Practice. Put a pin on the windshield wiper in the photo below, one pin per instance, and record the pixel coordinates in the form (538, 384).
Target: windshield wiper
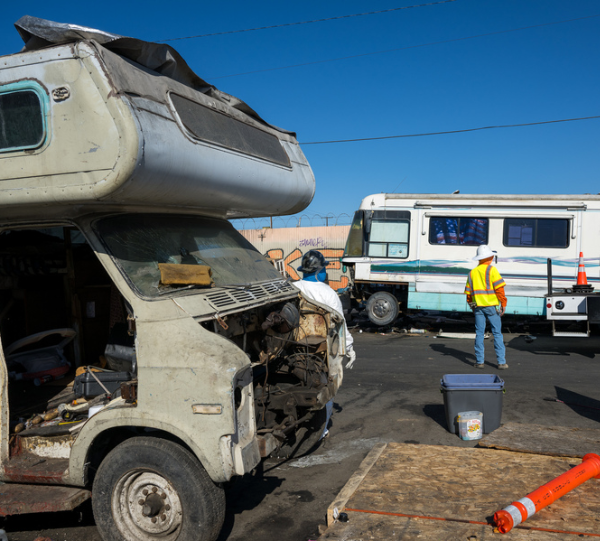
(174, 288)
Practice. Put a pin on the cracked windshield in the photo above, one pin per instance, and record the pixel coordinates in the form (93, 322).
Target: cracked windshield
(141, 242)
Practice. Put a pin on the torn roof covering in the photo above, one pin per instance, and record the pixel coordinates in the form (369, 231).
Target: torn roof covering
(158, 57)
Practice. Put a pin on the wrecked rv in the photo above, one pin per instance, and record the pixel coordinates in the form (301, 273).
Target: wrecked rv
(150, 353)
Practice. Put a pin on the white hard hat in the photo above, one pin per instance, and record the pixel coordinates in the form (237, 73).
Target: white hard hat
(483, 252)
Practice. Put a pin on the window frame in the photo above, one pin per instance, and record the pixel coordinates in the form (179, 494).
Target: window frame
(395, 216)
(536, 219)
(430, 231)
(44, 99)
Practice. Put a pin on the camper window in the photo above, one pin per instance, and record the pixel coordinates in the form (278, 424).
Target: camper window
(215, 127)
(21, 117)
(536, 232)
(463, 231)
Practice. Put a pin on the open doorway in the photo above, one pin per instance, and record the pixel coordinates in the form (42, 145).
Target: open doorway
(59, 312)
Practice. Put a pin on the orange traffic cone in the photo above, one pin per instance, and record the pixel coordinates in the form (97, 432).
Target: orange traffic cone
(509, 517)
(581, 276)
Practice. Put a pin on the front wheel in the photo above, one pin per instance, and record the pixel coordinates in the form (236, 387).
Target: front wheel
(149, 489)
(382, 308)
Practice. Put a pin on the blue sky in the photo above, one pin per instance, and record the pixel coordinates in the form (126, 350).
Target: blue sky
(548, 72)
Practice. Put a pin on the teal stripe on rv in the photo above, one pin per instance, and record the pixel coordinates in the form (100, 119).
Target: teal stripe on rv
(447, 302)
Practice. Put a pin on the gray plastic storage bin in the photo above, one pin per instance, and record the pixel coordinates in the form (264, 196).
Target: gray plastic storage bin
(473, 392)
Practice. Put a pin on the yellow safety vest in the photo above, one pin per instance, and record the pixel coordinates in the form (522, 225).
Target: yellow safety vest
(482, 283)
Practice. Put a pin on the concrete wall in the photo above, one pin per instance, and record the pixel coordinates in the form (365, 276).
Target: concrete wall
(291, 243)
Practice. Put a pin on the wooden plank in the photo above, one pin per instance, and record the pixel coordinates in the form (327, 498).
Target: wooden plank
(353, 483)
(24, 499)
(543, 440)
(463, 484)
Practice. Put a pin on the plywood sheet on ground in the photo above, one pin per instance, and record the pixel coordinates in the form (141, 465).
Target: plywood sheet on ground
(463, 484)
(542, 440)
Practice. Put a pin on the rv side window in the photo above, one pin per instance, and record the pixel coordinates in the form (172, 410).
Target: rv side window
(461, 231)
(21, 117)
(388, 234)
(536, 232)
(217, 128)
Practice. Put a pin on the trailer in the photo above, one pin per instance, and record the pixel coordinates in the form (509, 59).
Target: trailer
(414, 251)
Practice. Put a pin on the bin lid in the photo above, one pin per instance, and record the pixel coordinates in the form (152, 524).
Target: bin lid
(466, 414)
(472, 382)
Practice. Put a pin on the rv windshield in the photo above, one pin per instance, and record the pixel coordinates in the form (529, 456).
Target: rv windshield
(140, 242)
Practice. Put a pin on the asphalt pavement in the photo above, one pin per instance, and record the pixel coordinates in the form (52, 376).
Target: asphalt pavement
(391, 394)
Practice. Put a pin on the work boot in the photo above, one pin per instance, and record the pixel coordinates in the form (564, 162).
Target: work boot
(479, 365)
(502, 366)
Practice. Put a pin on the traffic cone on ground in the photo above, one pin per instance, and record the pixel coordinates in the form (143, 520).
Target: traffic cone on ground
(509, 517)
(581, 276)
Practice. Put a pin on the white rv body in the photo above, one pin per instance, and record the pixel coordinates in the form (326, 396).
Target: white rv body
(428, 272)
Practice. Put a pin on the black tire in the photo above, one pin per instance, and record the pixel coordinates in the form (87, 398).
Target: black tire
(307, 438)
(146, 479)
(382, 308)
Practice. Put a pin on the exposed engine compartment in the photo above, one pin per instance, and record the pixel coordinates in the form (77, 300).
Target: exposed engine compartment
(287, 344)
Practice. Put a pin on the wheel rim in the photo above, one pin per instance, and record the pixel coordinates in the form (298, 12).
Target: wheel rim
(145, 506)
(381, 308)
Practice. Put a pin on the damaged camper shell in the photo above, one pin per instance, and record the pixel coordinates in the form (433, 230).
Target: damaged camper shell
(118, 170)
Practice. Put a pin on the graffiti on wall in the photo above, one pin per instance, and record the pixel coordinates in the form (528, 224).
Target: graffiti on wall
(293, 259)
(318, 242)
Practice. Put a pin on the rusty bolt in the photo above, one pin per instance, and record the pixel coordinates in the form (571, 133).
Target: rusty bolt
(167, 507)
(163, 517)
(145, 492)
(141, 502)
(154, 489)
(163, 496)
(154, 520)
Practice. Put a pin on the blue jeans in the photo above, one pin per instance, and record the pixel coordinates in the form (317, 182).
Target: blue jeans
(489, 313)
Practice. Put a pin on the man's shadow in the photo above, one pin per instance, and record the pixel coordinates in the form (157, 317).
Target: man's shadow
(467, 358)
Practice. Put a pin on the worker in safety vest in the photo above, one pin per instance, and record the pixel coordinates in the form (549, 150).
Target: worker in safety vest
(485, 296)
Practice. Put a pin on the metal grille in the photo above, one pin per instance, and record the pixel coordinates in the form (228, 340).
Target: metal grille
(229, 298)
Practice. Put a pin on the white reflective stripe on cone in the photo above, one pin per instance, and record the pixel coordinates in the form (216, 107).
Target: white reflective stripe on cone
(529, 505)
(515, 514)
